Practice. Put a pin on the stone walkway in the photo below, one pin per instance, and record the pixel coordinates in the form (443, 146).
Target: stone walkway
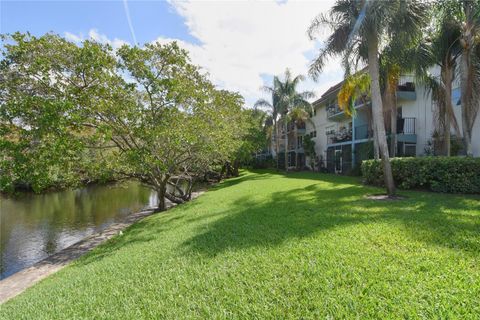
(18, 282)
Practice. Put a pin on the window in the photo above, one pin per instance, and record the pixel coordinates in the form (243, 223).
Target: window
(299, 141)
(314, 133)
(314, 111)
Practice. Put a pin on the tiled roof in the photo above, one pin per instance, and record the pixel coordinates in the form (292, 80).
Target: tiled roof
(333, 89)
(329, 92)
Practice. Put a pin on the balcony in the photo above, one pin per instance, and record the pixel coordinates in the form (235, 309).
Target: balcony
(406, 90)
(335, 113)
(406, 126)
(338, 136)
(301, 129)
(405, 132)
(363, 132)
(333, 110)
(298, 127)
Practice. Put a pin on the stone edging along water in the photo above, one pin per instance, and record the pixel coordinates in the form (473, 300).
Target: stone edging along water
(18, 282)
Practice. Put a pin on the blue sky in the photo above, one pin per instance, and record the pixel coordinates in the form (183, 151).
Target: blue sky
(151, 19)
(241, 44)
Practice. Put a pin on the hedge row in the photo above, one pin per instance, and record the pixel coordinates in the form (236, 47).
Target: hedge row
(440, 174)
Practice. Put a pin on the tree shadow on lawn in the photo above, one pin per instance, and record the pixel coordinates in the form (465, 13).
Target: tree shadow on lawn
(440, 220)
(149, 228)
(329, 202)
(250, 175)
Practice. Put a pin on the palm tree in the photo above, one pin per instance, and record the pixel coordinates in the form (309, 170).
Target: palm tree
(469, 67)
(268, 130)
(274, 110)
(356, 87)
(358, 30)
(440, 48)
(289, 99)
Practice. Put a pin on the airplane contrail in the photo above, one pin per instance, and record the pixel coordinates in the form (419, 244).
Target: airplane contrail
(127, 13)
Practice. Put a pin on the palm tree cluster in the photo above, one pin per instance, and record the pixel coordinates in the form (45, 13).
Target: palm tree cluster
(287, 105)
(400, 36)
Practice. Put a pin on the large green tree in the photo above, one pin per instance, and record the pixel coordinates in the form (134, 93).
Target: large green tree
(148, 112)
(362, 27)
(44, 81)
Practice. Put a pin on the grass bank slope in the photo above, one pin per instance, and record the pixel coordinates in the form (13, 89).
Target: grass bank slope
(268, 245)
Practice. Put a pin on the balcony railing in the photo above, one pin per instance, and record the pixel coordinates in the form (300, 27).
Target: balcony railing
(406, 89)
(406, 86)
(336, 136)
(363, 132)
(406, 126)
(333, 109)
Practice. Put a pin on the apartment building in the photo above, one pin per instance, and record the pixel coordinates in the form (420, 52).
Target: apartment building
(295, 152)
(341, 141)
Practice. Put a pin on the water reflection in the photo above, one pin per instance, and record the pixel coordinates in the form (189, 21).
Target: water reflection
(33, 227)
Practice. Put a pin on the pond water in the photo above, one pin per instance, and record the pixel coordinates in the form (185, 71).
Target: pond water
(33, 227)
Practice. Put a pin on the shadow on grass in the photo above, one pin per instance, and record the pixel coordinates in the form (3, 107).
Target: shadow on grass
(326, 203)
(444, 220)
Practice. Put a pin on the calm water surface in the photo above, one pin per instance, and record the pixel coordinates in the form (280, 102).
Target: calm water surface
(32, 227)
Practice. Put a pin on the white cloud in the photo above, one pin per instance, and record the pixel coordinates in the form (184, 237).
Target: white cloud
(241, 41)
(93, 34)
(73, 37)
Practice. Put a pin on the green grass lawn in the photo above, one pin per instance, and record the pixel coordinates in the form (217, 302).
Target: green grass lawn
(266, 245)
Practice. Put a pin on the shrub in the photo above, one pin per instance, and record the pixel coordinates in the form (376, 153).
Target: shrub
(439, 174)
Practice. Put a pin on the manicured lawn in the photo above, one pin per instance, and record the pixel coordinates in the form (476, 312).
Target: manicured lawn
(265, 245)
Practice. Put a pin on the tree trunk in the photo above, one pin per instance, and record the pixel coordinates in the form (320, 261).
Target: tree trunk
(161, 192)
(295, 142)
(466, 100)
(277, 147)
(377, 110)
(286, 143)
(447, 81)
(374, 136)
(390, 105)
(222, 172)
(466, 82)
(236, 167)
(376, 152)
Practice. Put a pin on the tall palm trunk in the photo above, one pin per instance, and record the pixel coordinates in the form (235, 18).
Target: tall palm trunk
(393, 119)
(466, 98)
(377, 110)
(390, 104)
(447, 79)
(277, 147)
(466, 81)
(295, 142)
(375, 140)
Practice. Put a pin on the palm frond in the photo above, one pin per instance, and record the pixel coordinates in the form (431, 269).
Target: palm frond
(262, 103)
